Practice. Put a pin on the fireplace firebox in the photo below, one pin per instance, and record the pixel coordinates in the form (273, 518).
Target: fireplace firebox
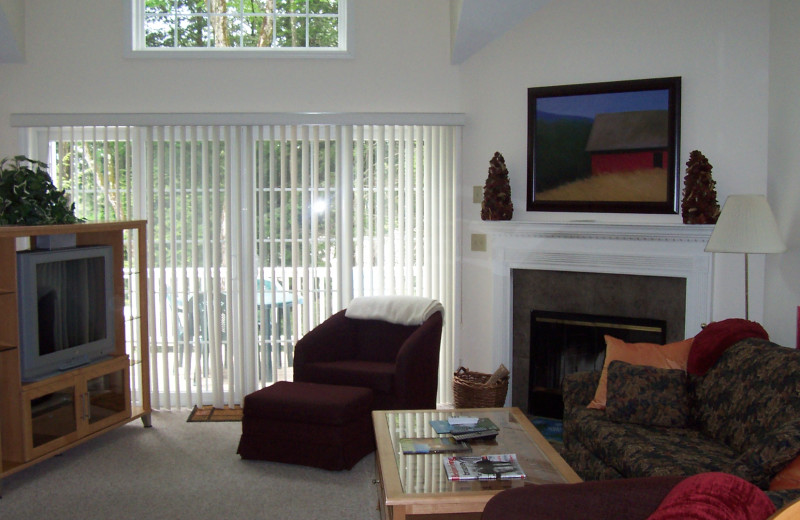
(562, 343)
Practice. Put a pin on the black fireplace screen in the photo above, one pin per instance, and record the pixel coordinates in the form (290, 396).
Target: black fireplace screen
(563, 343)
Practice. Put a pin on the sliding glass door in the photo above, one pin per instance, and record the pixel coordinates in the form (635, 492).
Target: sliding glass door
(257, 233)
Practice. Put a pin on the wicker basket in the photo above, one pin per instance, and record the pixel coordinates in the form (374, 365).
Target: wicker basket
(470, 390)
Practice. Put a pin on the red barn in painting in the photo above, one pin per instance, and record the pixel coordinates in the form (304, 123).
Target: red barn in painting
(629, 141)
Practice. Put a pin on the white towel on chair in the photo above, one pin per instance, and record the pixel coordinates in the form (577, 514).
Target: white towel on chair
(404, 310)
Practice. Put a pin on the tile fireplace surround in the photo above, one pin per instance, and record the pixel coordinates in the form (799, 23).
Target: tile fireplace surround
(662, 250)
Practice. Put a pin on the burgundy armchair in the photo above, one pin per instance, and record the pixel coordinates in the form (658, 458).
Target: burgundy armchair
(400, 363)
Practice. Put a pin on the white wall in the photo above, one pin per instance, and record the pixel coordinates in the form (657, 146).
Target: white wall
(783, 271)
(719, 47)
(74, 63)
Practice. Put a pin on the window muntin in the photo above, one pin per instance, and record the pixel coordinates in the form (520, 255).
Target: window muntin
(275, 26)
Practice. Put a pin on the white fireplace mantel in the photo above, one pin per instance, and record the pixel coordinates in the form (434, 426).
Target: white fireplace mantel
(671, 250)
(587, 229)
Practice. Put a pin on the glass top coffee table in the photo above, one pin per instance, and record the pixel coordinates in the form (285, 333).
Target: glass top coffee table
(417, 484)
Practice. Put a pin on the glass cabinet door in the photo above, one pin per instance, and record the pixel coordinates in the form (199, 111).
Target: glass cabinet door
(106, 396)
(53, 416)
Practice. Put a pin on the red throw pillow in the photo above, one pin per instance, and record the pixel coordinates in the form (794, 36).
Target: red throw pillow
(716, 337)
(714, 496)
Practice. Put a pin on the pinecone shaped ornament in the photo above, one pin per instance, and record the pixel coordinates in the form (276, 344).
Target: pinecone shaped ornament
(497, 203)
(699, 204)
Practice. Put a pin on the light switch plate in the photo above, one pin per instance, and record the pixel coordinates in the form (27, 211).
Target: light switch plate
(477, 194)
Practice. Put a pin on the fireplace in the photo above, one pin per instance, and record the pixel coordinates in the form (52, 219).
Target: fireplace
(587, 267)
(623, 298)
(562, 343)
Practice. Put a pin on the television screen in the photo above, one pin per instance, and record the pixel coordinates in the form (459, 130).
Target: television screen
(66, 308)
(71, 303)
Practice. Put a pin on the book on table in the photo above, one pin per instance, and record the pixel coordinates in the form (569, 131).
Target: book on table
(432, 445)
(462, 420)
(482, 424)
(491, 467)
(484, 435)
(483, 429)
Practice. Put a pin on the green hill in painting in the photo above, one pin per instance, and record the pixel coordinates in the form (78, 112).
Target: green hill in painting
(561, 143)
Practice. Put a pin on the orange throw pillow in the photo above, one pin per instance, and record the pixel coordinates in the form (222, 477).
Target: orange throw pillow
(787, 478)
(672, 355)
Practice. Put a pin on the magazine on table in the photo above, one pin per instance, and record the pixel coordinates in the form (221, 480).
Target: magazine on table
(464, 467)
(432, 445)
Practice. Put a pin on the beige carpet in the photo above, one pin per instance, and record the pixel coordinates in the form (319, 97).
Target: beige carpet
(178, 470)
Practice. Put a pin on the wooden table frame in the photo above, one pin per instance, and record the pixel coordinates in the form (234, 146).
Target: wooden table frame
(397, 505)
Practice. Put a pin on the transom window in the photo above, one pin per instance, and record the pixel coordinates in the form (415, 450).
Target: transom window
(227, 25)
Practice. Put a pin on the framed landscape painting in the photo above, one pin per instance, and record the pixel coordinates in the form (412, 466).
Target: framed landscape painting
(604, 147)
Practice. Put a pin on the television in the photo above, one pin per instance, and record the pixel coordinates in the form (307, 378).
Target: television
(66, 309)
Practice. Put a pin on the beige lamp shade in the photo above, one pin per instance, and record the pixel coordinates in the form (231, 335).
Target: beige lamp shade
(746, 225)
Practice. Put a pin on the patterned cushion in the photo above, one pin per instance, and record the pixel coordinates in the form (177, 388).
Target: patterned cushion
(647, 395)
(578, 389)
(783, 497)
(586, 464)
(638, 451)
(753, 389)
(769, 454)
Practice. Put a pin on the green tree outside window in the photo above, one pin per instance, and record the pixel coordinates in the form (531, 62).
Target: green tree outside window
(242, 23)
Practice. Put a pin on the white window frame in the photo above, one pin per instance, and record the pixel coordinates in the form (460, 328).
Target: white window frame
(135, 48)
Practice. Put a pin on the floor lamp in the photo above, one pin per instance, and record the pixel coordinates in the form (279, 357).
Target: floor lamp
(746, 225)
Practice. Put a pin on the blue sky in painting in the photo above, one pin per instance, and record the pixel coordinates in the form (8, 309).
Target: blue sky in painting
(592, 104)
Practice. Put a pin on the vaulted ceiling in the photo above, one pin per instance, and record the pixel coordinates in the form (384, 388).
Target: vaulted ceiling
(12, 31)
(475, 23)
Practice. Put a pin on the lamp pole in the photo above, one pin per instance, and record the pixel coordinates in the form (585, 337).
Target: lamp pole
(746, 288)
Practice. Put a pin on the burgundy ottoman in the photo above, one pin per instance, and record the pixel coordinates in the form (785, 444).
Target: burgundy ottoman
(325, 426)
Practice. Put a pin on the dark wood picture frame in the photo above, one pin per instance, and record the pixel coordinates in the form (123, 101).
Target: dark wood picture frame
(605, 147)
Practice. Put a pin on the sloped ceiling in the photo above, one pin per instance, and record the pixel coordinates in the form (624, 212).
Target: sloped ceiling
(12, 31)
(476, 23)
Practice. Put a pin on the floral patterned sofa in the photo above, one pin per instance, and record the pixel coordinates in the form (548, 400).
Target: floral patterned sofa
(742, 417)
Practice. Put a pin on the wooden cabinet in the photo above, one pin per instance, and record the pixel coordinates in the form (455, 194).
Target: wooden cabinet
(42, 418)
(59, 410)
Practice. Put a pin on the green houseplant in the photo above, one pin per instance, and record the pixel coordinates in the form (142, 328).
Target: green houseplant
(29, 197)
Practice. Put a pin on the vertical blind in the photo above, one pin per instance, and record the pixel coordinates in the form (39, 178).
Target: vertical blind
(258, 233)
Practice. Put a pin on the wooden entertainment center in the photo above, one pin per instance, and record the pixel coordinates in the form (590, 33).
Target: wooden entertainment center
(42, 418)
